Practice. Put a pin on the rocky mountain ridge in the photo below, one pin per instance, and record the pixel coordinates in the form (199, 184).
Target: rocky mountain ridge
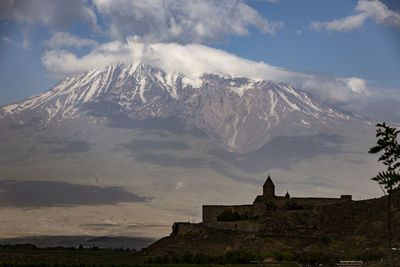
(238, 113)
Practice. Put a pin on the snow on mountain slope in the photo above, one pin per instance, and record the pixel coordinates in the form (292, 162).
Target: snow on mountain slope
(136, 128)
(237, 112)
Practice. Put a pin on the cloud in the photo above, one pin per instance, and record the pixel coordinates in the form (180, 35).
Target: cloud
(269, 1)
(181, 21)
(9, 41)
(373, 9)
(346, 24)
(51, 13)
(379, 12)
(55, 13)
(382, 105)
(193, 60)
(357, 85)
(26, 43)
(65, 39)
(61, 62)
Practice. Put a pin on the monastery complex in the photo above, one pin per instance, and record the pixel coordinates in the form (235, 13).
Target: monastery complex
(246, 217)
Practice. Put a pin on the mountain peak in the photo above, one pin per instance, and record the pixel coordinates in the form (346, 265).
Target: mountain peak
(224, 107)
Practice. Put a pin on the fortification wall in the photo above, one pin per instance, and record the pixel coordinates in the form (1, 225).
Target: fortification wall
(238, 226)
(211, 212)
(259, 208)
(310, 201)
(247, 226)
(187, 227)
(317, 201)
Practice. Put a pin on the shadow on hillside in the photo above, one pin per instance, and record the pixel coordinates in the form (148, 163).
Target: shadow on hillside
(282, 152)
(25, 194)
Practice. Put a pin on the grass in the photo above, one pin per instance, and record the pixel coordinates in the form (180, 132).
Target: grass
(30, 255)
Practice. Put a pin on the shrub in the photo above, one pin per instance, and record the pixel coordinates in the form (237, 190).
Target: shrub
(325, 239)
(287, 256)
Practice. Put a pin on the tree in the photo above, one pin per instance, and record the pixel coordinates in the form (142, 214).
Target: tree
(390, 148)
(389, 180)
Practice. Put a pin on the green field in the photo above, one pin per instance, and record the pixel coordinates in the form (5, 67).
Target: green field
(30, 255)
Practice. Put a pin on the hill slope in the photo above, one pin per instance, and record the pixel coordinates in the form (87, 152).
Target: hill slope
(349, 229)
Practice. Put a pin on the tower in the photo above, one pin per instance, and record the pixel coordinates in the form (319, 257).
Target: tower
(269, 188)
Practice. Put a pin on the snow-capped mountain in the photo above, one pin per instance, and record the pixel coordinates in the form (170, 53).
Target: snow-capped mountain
(134, 149)
(238, 113)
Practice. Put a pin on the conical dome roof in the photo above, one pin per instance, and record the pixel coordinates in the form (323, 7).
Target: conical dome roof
(269, 182)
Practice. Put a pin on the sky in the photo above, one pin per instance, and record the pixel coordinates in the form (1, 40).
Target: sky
(343, 52)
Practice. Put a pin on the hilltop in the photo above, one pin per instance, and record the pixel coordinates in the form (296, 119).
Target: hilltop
(352, 230)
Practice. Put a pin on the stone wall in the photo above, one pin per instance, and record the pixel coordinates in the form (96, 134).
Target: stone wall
(238, 226)
(211, 212)
(313, 201)
(259, 208)
(246, 226)
(309, 202)
(187, 227)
